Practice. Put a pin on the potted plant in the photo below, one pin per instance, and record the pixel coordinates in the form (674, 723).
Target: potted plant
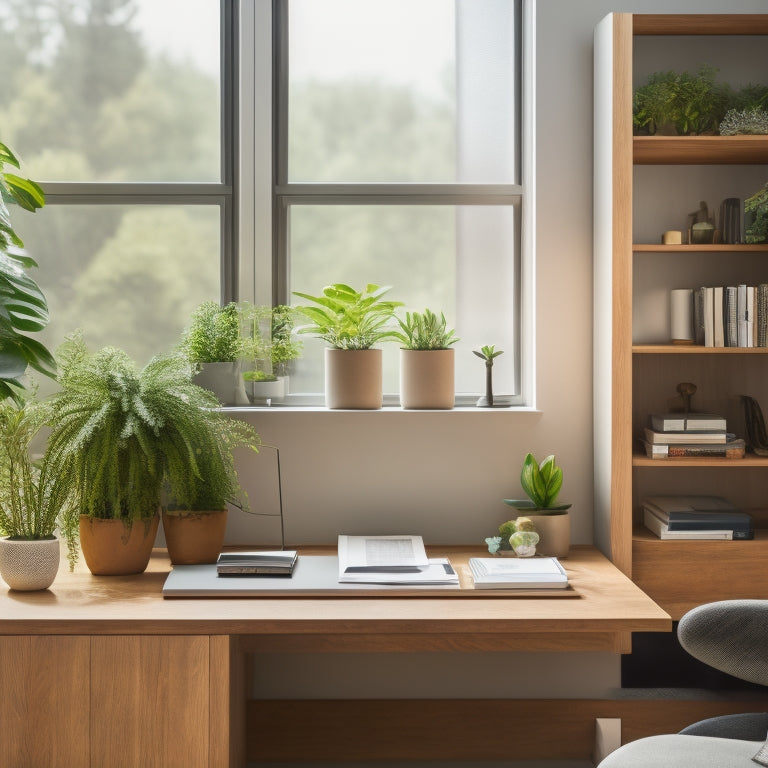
(756, 217)
(201, 478)
(274, 348)
(488, 353)
(117, 432)
(351, 322)
(426, 361)
(213, 343)
(542, 483)
(34, 501)
(23, 308)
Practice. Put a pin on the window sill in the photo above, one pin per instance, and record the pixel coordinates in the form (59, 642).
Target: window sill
(279, 408)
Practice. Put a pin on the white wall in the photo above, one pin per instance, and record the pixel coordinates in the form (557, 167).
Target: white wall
(444, 475)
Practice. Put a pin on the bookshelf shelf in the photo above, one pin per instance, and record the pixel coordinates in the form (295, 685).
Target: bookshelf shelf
(641, 460)
(694, 349)
(700, 150)
(718, 248)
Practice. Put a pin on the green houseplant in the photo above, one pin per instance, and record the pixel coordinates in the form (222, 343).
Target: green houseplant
(756, 217)
(214, 344)
(23, 308)
(542, 482)
(351, 322)
(426, 361)
(118, 432)
(35, 501)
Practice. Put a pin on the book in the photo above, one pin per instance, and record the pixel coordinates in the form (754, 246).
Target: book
(655, 525)
(698, 316)
(681, 438)
(273, 563)
(718, 313)
(730, 316)
(741, 314)
(518, 573)
(732, 449)
(699, 513)
(687, 422)
(762, 315)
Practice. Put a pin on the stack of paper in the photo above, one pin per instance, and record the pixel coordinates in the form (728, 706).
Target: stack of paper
(391, 560)
(518, 573)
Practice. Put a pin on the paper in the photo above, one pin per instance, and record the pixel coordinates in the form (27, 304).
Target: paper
(518, 573)
(381, 553)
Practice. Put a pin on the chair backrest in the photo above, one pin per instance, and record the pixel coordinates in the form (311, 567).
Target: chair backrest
(730, 635)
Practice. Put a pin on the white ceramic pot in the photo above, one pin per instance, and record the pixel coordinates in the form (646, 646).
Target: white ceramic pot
(353, 378)
(262, 391)
(29, 565)
(427, 378)
(225, 380)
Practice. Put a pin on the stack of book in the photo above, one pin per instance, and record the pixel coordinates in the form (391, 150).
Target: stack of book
(695, 517)
(731, 316)
(675, 435)
(270, 563)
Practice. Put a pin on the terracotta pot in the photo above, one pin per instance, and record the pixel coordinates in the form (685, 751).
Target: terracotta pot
(194, 538)
(427, 378)
(554, 533)
(111, 548)
(29, 565)
(353, 378)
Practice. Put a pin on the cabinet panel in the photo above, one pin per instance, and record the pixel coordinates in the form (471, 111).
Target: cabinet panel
(150, 702)
(45, 702)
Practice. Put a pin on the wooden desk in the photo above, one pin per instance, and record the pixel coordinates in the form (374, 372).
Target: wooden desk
(102, 671)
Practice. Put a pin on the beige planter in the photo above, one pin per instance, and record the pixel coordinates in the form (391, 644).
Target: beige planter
(353, 378)
(29, 565)
(111, 548)
(554, 533)
(427, 378)
(194, 538)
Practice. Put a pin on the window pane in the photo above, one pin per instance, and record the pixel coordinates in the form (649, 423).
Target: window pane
(402, 90)
(458, 260)
(129, 276)
(110, 90)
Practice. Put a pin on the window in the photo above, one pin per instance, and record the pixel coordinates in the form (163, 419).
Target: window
(125, 117)
(397, 142)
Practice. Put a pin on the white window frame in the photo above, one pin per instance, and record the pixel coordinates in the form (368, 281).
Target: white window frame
(263, 192)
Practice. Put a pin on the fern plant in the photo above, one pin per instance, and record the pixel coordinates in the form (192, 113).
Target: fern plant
(120, 432)
(425, 331)
(213, 335)
(35, 500)
(350, 319)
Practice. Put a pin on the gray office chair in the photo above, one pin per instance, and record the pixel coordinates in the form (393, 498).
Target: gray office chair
(731, 636)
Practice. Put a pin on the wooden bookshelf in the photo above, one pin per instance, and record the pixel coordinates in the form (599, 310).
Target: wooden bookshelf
(750, 460)
(694, 349)
(686, 248)
(700, 150)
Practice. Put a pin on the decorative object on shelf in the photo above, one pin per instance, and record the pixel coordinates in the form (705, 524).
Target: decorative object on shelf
(34, 502)
(517, 536)
(701, 227)
(681, 103)
(542, 483)
(682, 402)
(730, 220)
(213, 343)
(351, 322)
(426, 361)
(744, 121)
(757, 436)
(681, 315)
(672, 237)
(488, 353)
(756, 217)
(23, 308)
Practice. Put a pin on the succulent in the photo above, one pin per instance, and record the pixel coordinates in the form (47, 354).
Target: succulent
(541, 483)
(744, 121)
(426, 331)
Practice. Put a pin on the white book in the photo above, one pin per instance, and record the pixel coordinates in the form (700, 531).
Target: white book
(518, 573)
(717, 307)
(751, 325)
(741, 314)
(685, 438)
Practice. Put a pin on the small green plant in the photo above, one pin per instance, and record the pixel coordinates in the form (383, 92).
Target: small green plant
(271, 329)
(350, 319)
(488, 353)
(541, 483)
(745, 121)
(23, 308)
(34, 499)
(213, 335)
(683, 103)
(756, 217)
(425, 331)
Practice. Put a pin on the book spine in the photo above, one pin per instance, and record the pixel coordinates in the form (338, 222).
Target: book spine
(731, 322)
(762, 315)
(698, 316)
(709, 317)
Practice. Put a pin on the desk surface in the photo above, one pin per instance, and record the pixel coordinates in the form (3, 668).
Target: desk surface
(80, 603)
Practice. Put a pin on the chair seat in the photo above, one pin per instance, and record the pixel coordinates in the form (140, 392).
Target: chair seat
(684, 751)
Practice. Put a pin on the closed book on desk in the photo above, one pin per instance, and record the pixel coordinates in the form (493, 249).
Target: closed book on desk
(277, 563)
(518, 573)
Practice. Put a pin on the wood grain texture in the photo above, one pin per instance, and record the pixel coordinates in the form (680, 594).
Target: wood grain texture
(451, 729)
(700, 150)
(150, 702)
(44, 705)
(700, 24)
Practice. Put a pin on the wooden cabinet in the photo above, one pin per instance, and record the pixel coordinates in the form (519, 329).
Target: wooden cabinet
(644, 186)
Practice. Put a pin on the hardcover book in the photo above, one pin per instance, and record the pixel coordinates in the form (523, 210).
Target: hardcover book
(273, 563)
(687, 422)
(682, 438)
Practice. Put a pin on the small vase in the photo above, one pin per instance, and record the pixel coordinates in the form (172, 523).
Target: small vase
(27, 565)
(194, 538)
(112, 548)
